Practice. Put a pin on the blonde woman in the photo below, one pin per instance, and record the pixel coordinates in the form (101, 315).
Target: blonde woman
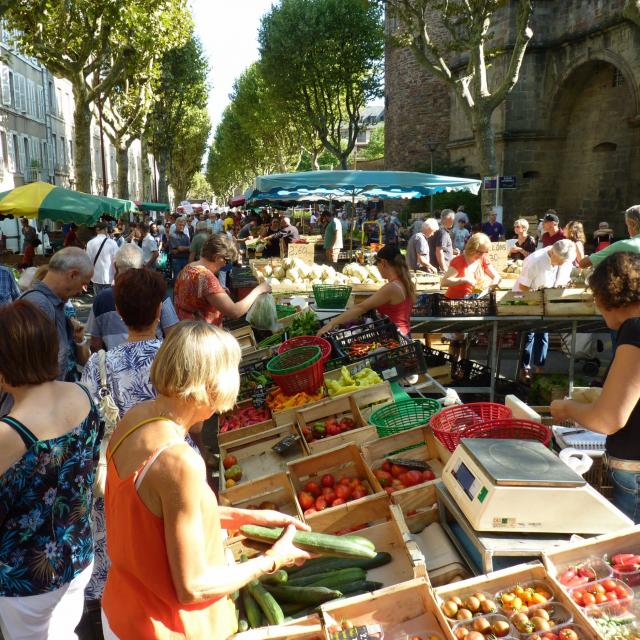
(471, 271)
(575, 231)
(168, 575)
(525, 243)
(393, 300)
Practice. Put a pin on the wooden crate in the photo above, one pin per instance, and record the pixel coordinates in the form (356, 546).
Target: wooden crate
(569, 302)
(403, 610)
(288, 416)
(246, 339)
(625, 541)
(371, 398)
(423, 449)
(308, 628)
(343, 461)
(419, 505)
(339, 406)
(256, 457)
(227, 437)
(505, 303)
(275, 488)
(521, 574)
(382, 524)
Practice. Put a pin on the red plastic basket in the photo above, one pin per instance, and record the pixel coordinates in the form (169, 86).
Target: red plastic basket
(511, 429)
(452, 423)
(308, 379)
(303, 341)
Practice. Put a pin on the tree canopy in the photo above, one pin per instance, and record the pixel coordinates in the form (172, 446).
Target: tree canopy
(332, 67)
(375, 147)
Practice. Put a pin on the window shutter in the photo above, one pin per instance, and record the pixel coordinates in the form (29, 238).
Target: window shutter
(31, 98)
(45, 158)
(6, 86)
(11, 151)
(40, 103)
(19, 84)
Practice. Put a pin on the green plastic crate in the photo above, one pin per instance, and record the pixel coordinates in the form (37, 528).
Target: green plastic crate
(403, 415)
(331, 296)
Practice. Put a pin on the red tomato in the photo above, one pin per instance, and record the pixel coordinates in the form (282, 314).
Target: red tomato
(611, 596)
(313, 488)
(567, 634)
(346, 480)
(337, 502)
(360, 492)
(597, 588)
(321, 503)
(390, 490)
(384, 477)
(428, 475)
(397, 470)
(577, 596)
(310, 511)
(306, 500)
(386, 466)
(329, 494)
(343, 491)
(328, 480)
(587, 598)
(415, 476)
(621, 592)
(609, 584)
(600, 598)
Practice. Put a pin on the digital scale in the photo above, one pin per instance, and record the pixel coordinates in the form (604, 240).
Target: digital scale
(520, 486)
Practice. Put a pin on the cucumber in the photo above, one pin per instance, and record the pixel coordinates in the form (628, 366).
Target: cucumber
(251, 609)
(355, 574)
(243, 625)
(291, 608)
(303, 595)
(321, 565)
(322, 543)
(366, 586)
(301, 613)
(278, 577)
(266, 602)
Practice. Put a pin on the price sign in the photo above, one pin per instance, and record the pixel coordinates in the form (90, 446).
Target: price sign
(498, 255)
(303, 251)
(259, 398)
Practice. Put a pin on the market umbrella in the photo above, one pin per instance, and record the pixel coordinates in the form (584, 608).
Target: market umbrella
(115, 207)
(43, 201)
(153, 206)
(371, 184)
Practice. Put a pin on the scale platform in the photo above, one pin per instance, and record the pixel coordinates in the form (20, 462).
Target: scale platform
(520, 486)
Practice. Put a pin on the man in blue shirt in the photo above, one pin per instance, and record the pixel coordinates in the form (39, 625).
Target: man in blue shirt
(8, 286)
(493, 228)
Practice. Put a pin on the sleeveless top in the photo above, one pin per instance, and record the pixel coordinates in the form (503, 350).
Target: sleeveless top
(400, 312)
(45, 507)
(139, 599)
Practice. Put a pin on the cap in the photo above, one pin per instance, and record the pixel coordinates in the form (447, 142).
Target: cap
(551, 217)
(101, 225)
(603, 225)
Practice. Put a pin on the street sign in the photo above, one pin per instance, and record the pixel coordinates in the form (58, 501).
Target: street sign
(507, 182)
(489, 183)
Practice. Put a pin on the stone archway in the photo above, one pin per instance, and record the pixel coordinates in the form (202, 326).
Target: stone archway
(596, 154)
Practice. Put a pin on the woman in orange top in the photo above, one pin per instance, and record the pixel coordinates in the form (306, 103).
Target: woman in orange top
(198, 294)
(470, 272)
(168, 577)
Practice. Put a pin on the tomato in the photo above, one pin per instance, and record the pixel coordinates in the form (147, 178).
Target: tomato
(346, 480)
(386, 466)
(313, 488)
(567, 634)
(229, 461)
(360, 492)
(328, 480)
(415, 477)
(577, 596)
(397, 470)
(428, 475)
(390, 490)
(310, 511)
(329, 494)
(306, 500)
(587, 598)
(337, 502)
(321, 503)
(343, 491)
(601, 598)
(384, 477)
(621, 592)
(611, 596)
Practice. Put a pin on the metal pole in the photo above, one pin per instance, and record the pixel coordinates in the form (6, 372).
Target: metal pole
(431, 196)
(104, 169)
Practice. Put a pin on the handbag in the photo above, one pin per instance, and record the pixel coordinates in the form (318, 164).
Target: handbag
(110, 416)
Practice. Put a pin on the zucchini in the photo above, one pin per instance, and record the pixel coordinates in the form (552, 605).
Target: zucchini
(266, 602)
(291, 608)
(322, 543)
(243, 625)
(278, 577)
(301, 613)
(338, 576)
(303, 595)
(366, 586)
(321, 565)
(251, 609)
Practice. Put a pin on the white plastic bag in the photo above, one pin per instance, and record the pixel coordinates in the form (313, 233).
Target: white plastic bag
(263, 314)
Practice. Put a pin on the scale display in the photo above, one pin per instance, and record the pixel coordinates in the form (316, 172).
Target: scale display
(521, 486)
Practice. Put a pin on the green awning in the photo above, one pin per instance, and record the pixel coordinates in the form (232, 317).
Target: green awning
(153, 206)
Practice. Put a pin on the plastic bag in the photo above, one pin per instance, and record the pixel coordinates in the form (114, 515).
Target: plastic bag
(263, 314)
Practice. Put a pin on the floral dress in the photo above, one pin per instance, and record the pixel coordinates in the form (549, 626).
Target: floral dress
(45, 506)
(128, 369)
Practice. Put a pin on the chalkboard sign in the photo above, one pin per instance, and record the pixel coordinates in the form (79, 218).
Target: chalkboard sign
(498, 255)
(305, 252)
(259, 398)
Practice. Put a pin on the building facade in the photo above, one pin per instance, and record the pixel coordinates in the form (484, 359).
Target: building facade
(37, 136)
(570, 129)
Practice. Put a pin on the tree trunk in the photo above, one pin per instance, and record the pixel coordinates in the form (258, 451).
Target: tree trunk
(344, 161)
(315, 165)
(179, 189)
(485, 139)
(123, 170)
(163, 185)
(82, 137)
(146, 170)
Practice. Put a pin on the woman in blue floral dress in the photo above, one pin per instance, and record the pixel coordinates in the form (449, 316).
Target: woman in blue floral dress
(138, 295)
(49, 446)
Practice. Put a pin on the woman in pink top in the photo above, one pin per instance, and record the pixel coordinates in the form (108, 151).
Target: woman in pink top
(394, 300)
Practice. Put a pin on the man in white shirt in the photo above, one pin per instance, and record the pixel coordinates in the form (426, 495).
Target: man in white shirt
(101, 251)
(543, 269)
(149, 246)
(418, 247)
(185, 230)
(461, 214)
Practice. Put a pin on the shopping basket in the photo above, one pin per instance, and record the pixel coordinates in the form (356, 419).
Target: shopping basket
(453, 423)
(304, 341)
(297, 370)
(403, 415)
(331, 296)
(510, 429)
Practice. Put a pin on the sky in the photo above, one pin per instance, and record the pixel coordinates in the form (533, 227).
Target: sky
(228, 30)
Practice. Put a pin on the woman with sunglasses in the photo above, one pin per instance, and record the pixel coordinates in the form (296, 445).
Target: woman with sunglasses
(198, 294)
(470, 272)
(394, 300)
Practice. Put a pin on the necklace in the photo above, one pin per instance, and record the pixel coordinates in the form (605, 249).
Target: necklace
(140, 337)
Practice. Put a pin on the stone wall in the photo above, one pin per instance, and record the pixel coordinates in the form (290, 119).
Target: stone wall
(569, 131)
